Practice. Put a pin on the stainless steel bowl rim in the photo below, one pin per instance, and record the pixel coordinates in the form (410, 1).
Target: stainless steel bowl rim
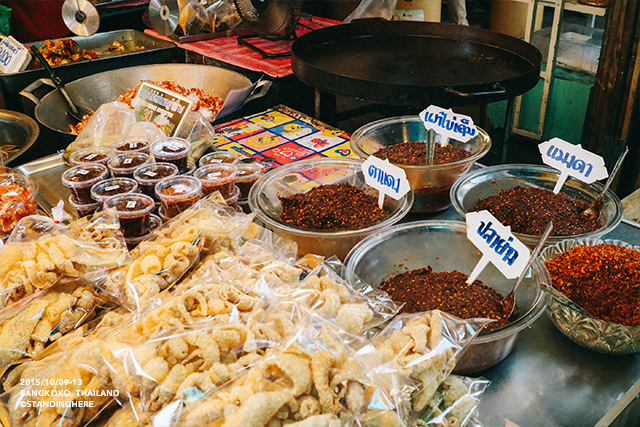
(512, 328)
(538, 168)
(257, 187)
(29, 124)
(405, 119)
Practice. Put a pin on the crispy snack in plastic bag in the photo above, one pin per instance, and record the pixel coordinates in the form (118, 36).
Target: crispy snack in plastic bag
(171, 250)
(40, 253)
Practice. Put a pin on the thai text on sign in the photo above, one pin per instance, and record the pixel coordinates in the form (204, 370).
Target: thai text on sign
(448, 124)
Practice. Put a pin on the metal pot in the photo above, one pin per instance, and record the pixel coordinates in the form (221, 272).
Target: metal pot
(93, 91)
(17, 133)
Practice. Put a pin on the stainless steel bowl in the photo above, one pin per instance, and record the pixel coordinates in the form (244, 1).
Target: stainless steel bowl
(17, 133)
(444, 246)
(302, 176)
(489, 181)
(575, 323)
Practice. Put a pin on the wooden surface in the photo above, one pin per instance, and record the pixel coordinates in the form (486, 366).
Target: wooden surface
(631, 205)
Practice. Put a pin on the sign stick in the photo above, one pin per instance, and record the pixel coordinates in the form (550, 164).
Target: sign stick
(380, 199)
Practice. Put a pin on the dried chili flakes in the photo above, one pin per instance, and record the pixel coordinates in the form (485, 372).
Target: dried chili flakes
(603, 279)
(423, 289)
(528, 210)
(331, 207)
(415, 153)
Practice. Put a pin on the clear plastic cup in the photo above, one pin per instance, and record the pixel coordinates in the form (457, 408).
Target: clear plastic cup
(154, 222)
(133, 211)
(191, 168)
(178, 193)
(150, 174)
(232, 201)
(132, 144)
(91, 155)
(79, 180)
(217, 177)
(248, 174)
(112, 187)
(219, 157)
(125, 164)
(83, 209)
(171, 150)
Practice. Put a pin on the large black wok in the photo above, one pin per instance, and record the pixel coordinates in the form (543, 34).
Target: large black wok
(414, 64)
(93, 91)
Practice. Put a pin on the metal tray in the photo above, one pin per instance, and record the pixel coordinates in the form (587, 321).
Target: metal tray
(157, 51)
(47, 173)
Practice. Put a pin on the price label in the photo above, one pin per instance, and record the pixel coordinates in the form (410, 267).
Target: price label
(14, 57)
(449, 124)
(386, 178)
(163, 107)
(498, 246)
(572, 160)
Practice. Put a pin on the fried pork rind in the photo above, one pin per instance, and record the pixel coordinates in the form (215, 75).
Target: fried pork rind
(427, 346)
(161, 260)
(39, 254)
(322, 376)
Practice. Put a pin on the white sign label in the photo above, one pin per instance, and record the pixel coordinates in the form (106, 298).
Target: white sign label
(14, 57)
(497, 245)
(572, 160)
(386, 178)
(449, 124)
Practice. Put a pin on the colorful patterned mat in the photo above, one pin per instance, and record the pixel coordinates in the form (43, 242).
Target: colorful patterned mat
(281, 135)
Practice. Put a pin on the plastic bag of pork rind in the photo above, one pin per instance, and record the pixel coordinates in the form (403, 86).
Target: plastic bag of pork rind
(322, 376)
(170, 251)
(427, 346)
(454, 403)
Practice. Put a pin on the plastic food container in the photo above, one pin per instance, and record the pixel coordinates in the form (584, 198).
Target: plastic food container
(430, 183)
(217, 177)
(83, 210)
(150, 174)
(17, 199)
(178, 193)
(112, 187)
(191, 168)
(300, 177)
(79, 179)
(91, 155)
(444, 246)
(133, 211)
(485, 182)
(137, 144)
(219, 157)
(154, 222)
(576, 324)
(171, 150)
(248, 174)
(124, 165)
(232, 201)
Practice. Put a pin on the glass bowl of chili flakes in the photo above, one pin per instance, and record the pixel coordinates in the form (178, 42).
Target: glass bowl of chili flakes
(521, 196)
(441, 247)
(323, 204)
(592, 289)
(402, 140)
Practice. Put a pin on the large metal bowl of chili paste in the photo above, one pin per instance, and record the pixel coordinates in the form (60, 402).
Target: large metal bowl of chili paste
(610, 290)
(302, 176)
(489, 181)
(430, 183)
(444, 246)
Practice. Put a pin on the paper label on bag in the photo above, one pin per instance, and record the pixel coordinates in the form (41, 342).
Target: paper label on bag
(165, 108)
(449, 124)
(14, 57)
(385, 177)
(572, 160)
(497, 244)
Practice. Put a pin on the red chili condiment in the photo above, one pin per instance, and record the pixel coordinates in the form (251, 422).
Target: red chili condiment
(603, 279)
(423, 289)
(528, 210)
(415, 153)
(331, 207)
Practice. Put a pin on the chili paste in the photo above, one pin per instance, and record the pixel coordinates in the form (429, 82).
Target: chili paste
(415, 153)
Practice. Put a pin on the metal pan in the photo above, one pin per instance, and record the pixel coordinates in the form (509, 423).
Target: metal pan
(17, 133)
(93, 91)
(156, 51)
(414, 64)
